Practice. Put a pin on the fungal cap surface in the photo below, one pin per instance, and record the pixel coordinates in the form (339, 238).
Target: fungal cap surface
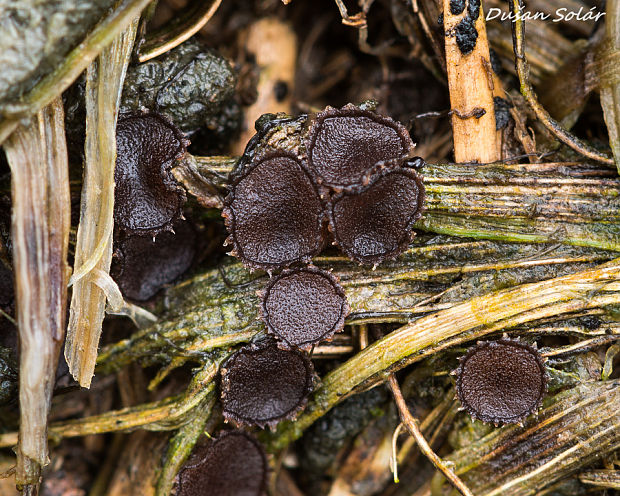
(501, 382)
(274, 213)
(302, 307)
(234, 464)
(263, 384)
(374, 222)
(345, 145)
(142, 266)
(147, 197)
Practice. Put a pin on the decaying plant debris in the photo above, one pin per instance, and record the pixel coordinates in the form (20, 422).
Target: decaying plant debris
(515, 172)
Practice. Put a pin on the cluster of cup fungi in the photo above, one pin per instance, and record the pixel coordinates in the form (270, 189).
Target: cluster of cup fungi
(350, 180)
(148, 206)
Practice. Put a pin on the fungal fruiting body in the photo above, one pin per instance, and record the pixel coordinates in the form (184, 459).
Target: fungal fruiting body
(374, 222)
(263, 384)
(345, 145)
(501, 382)
(233, 464)
(353, 166)
(147, 198)
(143, 265)
(302, 307)
(274, 213)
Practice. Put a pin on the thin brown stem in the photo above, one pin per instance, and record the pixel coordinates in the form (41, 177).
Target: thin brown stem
(523, 70)
(192, 22)
(471, 92)
(412, 425)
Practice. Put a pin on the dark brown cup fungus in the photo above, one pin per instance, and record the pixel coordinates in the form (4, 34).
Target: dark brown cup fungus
(142, 266)
(147, 198)
(234, 464)
(274, 213)
(302, 307)
(501, 382)
(263, 384)
(373, 223)
(345, 145)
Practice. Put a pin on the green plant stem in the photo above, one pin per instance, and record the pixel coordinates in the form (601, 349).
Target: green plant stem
(574, 428)
(219, 308)
(470, 320)
(181, 446)
(167, 414)
(569, 203)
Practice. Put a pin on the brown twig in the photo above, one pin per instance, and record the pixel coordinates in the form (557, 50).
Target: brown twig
(471, 90)
(522, 67)
(273, 44)
(184, 28)
(429, 34)
(412, 425)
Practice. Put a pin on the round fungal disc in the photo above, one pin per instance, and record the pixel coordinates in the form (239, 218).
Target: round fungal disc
(263, 385)
(345, 145)
(302, 307)
(147, 198)
(143, 266)
(501, 381)
(274, 213)
(374, 223)
(232, 465)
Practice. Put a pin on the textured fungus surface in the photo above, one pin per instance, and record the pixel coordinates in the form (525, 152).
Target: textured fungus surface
(147, 197)
(274, 213)
(374, 223)
(302, 307)
(466, 35)
(232, 465)
(345, 145)
(143, 266)
(501, 381)
(262, 385)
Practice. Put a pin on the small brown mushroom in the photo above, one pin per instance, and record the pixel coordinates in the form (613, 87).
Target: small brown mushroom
(373, 223)
(263, 384)
(345, 145)
(147, 198)
(501, 382)
(143, 265)
(234, 464)
(302, 307)
(274, 213)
